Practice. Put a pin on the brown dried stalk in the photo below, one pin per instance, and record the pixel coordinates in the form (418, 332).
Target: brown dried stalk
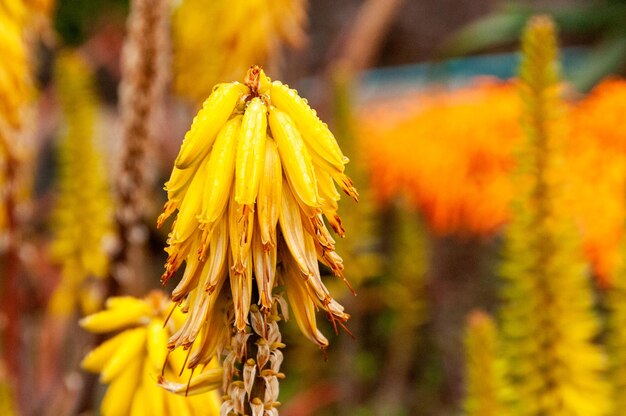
(362, 43)
(145, 61)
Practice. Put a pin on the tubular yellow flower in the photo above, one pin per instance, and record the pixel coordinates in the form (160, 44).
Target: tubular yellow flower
(250, 210)
(215, 40)
(221, 168)
(132, 361)
(82, 217)
(548, 324)
(250, 152)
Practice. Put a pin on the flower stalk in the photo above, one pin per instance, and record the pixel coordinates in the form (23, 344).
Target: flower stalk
(252, 367)
(486, 391)
(548, 323)
(142, 92)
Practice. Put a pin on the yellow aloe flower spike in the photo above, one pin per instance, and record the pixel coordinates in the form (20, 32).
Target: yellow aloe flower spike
(83, 213)
(133, 361)
(486, 391)
(548, 321)
(267, 226)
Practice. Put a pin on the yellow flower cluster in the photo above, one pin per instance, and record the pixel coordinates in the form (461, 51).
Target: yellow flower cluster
(251, 182)
(548, 322)
(449, 155)
(82, 217)
(215, 40)
(132, 361)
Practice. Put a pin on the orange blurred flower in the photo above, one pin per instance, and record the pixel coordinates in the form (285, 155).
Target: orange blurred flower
(597, 155)
(450, 155)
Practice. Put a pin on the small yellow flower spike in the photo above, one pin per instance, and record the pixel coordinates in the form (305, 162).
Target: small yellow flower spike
(133, 361)
(486, 391)
(548, 320)
(215, 40)
(250, 209)
(83, 215)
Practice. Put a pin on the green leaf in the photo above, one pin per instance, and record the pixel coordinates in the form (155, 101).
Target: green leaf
(486, 32)
(505, 26)
(609, 57)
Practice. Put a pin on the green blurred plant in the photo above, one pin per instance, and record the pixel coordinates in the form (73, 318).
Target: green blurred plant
(603, 21)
